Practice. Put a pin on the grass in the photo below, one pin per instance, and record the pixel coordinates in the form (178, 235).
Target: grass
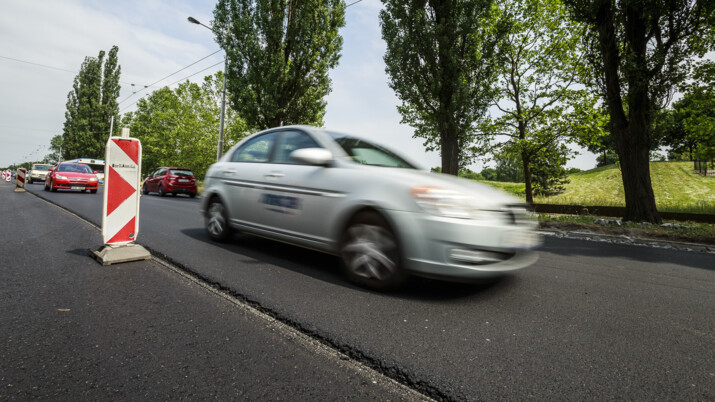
(676, 186)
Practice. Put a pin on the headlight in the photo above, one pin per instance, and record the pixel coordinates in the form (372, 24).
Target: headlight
(59, 176)
(443, 202)
(93, 179)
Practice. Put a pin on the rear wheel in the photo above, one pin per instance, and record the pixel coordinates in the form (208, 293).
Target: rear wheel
(370, 253)
(217, 221)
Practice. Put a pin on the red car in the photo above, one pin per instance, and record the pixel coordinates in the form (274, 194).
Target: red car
(172, 180)
(71, 176)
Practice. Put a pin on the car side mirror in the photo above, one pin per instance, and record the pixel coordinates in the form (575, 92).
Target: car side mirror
(96, 171)
(312, 156)
(50, 169)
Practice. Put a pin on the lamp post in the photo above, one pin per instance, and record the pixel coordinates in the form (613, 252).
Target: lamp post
(219, 150)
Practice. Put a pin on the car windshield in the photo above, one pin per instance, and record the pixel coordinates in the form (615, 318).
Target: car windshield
(367, 153)
(181, 172)
(42, 167)
(74, 168)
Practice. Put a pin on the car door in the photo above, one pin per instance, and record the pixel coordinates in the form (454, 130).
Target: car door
(242, 178)
(297, 201)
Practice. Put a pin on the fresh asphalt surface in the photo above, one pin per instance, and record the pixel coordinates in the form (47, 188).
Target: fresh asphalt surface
(589, 320)
(74, 330)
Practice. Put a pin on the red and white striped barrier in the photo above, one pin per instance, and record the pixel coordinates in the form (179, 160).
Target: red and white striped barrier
(20, 178)
(8, 175)
(2, 175)
(120, 212)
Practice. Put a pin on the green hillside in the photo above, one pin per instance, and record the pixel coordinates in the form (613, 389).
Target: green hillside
(676, 186)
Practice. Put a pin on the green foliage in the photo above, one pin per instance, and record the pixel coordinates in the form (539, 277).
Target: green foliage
(180, 127)
(548, 171)
(279, 54)
(639, 51)
(441, 63)
(489, 174)
(91, 105)
(540, 103)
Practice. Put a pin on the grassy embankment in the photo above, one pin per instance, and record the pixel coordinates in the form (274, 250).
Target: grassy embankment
(676, 186)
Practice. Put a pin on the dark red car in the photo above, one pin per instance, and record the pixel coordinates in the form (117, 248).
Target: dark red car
(165, 180)
(71, 176)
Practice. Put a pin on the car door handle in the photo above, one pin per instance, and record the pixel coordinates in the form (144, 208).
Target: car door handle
(274, 175)
(229, 172)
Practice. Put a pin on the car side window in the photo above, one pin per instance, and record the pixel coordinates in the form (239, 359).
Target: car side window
(161, 172)
(289, 142)
(255, 150)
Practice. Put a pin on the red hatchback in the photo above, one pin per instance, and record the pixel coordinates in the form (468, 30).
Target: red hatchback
(71, 176)
(172, 180)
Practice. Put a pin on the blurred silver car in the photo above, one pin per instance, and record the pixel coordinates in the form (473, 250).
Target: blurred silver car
(385, 218)
(38, 172)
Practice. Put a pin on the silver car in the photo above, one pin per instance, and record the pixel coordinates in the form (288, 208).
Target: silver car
(349, 197)
(37, 172)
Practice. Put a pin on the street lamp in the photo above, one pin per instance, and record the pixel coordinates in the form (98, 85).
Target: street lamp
(219, 150)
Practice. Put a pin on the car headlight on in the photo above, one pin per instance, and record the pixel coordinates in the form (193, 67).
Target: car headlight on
(92, 179)
(443, 202)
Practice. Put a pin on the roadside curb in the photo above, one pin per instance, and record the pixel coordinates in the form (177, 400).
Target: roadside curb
(628, 240)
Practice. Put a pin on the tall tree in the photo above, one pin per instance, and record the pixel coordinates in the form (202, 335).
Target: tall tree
(539, 97)
(279, 54)
(90, 106)
(441, 62)
(639, 49)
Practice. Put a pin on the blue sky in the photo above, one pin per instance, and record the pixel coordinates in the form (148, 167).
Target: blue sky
(155, 39)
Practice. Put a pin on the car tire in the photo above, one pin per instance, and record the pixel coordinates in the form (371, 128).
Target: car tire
(46, 188)
(93, 191)
(161, 191)
(370, 253)
(217, 221)
(144, 190)
(192, 195)
(52, 187)
(29, 181)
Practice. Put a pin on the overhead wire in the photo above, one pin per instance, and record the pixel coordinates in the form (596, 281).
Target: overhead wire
(50, 67)
(175, 72)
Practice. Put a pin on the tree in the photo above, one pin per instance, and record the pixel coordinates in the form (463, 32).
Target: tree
(538, 98)
(441, 62)
(56, 148)
(549, 171)
(638, 51)
(279, 54)
(91, 105)
(180, 127)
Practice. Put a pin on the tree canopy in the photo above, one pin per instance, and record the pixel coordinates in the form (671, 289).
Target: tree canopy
(279, 54)
(91, 105)
(180, 127)
(640, 51)
(441, 62)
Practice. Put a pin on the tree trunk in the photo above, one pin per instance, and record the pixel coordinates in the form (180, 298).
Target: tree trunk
(527, 178)
(631, 132)
(450, 154)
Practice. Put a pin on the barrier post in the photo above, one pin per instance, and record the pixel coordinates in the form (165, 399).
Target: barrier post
(20, 180)
(120, 209)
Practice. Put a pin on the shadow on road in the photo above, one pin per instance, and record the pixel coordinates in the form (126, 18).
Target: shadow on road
(572, 247)
(326, 267)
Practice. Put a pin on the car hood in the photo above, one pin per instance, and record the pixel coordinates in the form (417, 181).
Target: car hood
(484, 195)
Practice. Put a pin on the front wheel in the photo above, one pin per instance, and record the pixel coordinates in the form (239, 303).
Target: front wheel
(217, 221)
(52, 186)
(161, 191)
(370, 253)
(144, 190)
(93, 191)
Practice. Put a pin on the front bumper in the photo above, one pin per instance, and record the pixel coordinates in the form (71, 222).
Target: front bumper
(68, 185)
(465, 249)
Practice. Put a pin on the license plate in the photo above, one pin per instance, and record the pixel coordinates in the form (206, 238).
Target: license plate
(77, 187)
(182, 180)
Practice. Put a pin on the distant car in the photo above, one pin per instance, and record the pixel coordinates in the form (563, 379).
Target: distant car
(37, 172)
(386, 219)
(170, 180)
(71, 176)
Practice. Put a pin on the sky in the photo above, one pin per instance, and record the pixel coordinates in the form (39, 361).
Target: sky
(44, 42)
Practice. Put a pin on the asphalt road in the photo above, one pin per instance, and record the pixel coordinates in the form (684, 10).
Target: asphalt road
(71, 329)
(589, 320)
